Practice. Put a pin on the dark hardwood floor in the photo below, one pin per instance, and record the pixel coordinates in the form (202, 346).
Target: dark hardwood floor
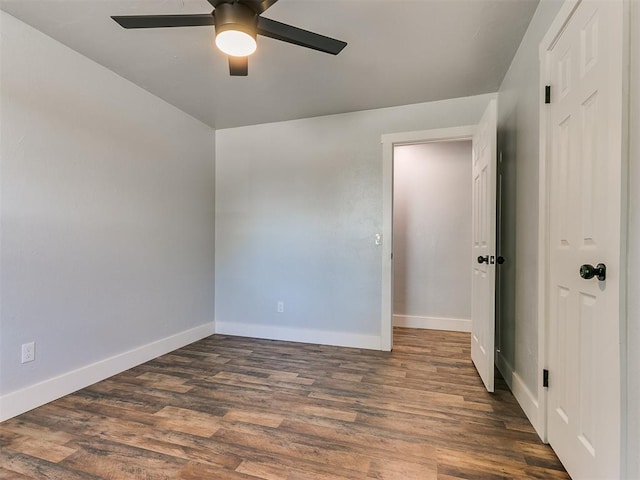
(238, 408)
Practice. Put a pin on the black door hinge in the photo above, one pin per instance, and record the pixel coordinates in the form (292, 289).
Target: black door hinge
(547, 94)
(545, 378)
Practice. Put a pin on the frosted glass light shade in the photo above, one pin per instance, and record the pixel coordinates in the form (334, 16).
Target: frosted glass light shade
(236, 43)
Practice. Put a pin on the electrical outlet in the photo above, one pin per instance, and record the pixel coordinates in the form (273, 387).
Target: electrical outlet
(280, 307)
(28, 352)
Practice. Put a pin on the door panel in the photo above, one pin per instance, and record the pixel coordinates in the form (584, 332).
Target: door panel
(483, 285)
(584, 160)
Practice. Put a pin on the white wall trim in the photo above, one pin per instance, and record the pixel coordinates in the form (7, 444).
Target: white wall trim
(632, 404)
(386, 319)
(389, 141)
(529, 403)
(451, 134)
(527, 400)
(433, 323)
(20, 401)
(543, 215)
(549, 39)
(505, 369)
(302, 335)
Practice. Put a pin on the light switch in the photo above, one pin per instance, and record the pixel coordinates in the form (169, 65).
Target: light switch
(378, 239)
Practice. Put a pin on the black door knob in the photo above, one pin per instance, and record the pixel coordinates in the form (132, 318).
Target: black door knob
(500, 260)
(484, 259)
(589, 271)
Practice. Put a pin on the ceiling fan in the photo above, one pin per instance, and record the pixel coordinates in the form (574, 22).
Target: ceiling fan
(237, 22)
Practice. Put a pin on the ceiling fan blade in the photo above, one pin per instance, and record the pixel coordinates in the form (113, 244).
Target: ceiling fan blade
(298, 36)
(238, 66)
(159, 21)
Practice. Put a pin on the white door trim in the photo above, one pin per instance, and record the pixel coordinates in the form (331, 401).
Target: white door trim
(550, 38)
(389, 141)
(548, 41)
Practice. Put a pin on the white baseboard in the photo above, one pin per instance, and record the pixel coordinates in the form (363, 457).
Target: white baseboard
(303, 335)
(505, 369)
(528, 402)
(18, 402)
(432, 323)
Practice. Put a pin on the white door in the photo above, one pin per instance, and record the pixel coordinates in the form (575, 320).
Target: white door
(584, 178)
(483, 284)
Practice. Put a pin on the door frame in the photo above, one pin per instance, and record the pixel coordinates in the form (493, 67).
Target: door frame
(389, 142)
(548, 41)
(540, 423)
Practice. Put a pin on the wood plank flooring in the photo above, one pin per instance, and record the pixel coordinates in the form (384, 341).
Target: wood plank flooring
(238, 408)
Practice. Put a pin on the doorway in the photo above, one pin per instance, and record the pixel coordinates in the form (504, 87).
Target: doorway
(389, 143)
(483, 245)
(431, 233)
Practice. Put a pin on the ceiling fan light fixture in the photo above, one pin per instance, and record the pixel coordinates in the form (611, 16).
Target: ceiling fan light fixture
(236, 43)
(236, 26)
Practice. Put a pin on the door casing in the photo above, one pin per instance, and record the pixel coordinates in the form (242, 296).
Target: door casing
(389, 142)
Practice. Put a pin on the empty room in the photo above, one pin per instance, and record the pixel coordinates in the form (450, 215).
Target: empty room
(320, 239)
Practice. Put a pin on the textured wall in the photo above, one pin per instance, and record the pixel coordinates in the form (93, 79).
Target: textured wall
(298, 205)
(107, 229)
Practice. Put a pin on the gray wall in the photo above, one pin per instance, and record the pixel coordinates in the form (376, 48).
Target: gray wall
(633, 298)
(107, 229)
(518, 138)
(297, 207)
(432, 230)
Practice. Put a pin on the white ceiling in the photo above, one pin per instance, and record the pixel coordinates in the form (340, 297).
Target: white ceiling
(399, 52)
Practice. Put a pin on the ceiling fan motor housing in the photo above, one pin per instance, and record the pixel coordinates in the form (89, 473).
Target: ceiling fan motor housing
(235, 16)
